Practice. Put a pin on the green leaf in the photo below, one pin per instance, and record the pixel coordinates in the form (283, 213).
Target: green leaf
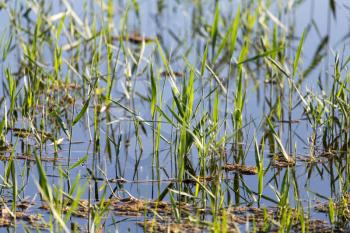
(204, 60)
(62, 124)
(78, 163)
(261, 55)
(214, 28)
(331, 211)
(287, 157)
(154, 92)
(297, 56)
(234, 32)
(81, 113)
(43, 182)
(165, 192)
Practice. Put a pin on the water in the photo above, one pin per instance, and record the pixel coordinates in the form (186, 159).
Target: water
(134, 161)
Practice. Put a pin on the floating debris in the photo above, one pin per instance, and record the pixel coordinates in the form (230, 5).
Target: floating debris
(200, 179)
(269, 216)
(67, 100)
(25, 133)
(170, 226)
(29, 158)
(270, 81)
(82, 209)
(173, 73)
(163, 221)
(8, 219)
(328, 154)
(126, 207)
(280, 161)
(61, 86)
(134, 38)
(24, 204)
(261, 218)
(243, 169)
(137, 207)
(6, 148)
(289, 121)
(342, 207)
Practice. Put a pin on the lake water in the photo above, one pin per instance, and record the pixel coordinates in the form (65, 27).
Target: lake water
(125, 149)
